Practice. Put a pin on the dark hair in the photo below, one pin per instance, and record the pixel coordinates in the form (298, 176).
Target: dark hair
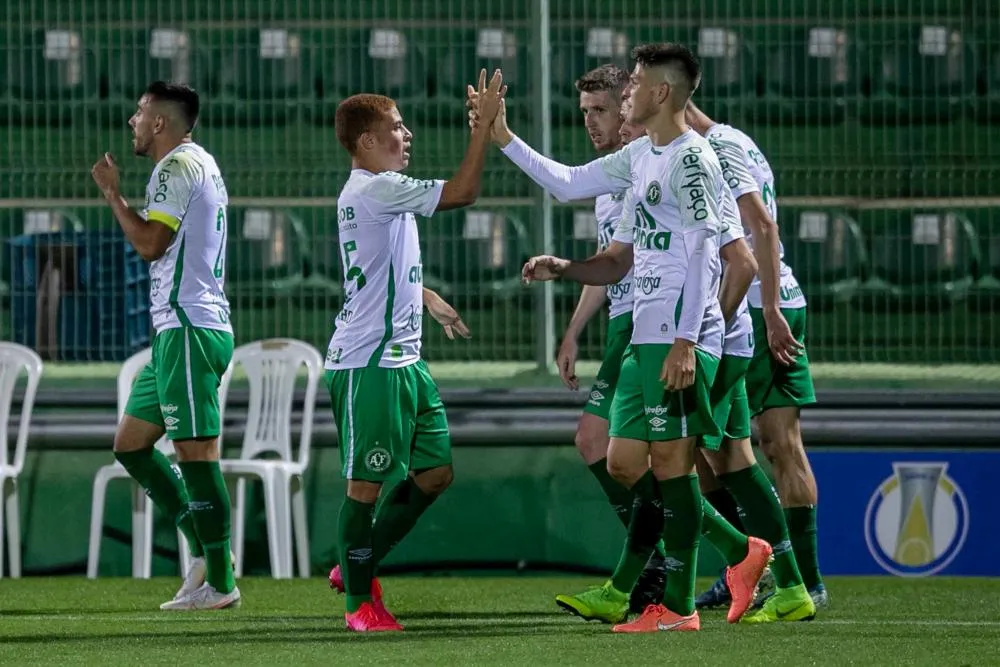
(670, 55)
(181, 94)
(610, 78)
(359, 114)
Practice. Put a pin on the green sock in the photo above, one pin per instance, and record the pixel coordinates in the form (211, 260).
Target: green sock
(682, 513)
(396, 517)
(802, 531)
(731, 543)
(723, 501)
(356, 562)
(764, 519)
(622, 498)
(152, 470)
(644, 530)
(211, 512)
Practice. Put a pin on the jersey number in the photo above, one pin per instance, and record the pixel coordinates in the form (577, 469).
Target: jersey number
(353, 272)
(220, 259)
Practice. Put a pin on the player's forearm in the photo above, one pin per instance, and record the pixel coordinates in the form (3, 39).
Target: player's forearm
(766, 250)
(697, 284)
(735, 283)
(591, 300)
(137, 230)
(601, 269)
(463, 188)
(561, 181)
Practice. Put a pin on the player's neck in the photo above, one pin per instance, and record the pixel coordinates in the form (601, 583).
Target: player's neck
(367, 165)
(161, 150)
(666, 126)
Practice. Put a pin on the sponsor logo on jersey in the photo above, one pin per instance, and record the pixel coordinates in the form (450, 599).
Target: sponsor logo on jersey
(917, 519)
(333, 355)
(646, 284)
(415, 319)
(693, 185)
(654, 193)
(378, 460)
(619, 290)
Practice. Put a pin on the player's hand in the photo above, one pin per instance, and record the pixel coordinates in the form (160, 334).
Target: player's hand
(566, 362)
(542, 268)
(490, 96)
(105, 174)
(446, 316)
(500, 132)
(678, 367)
(780, 339)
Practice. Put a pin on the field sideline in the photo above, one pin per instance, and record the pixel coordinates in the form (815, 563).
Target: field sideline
(482, 621)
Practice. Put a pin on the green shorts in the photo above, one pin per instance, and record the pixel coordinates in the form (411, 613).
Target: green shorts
(389, 421)
(603, 391)
(643, 410)
(729, 401)
(179, 388)
(773, 385)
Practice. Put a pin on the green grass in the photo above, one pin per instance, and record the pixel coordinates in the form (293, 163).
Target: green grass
(481, 620)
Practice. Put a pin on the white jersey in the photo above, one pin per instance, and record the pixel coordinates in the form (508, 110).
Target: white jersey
(746, 170)
(186, 193)
(675, 231)
(608, 211)
(674, 226)
(380, 323)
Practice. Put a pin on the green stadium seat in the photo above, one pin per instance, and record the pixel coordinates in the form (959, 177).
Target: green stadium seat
(260, 77)
(477, 253)
(576, 52)
(456, 58)
(268, 255)
(924, 74)
(926, 258)
(809, 75)
(827, 252)
(728, 81)
(387, 61)
(133, 59)
(51, 76)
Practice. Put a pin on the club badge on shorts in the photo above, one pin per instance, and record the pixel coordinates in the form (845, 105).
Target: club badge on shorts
(378, 460)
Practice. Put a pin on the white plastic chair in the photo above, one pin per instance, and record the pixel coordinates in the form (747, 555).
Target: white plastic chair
(142, 507)
(272, 368)
(14, 359)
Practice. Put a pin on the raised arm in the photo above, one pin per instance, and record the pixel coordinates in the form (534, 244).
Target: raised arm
(605, 175)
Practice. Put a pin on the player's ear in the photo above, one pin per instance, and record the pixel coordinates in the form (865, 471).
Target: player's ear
(366, 141)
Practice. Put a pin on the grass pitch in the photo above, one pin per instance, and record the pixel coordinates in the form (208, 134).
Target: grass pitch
(482, 621)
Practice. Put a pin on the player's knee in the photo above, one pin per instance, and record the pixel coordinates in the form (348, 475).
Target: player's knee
(624, 471)
(434, 482)
(592, 446)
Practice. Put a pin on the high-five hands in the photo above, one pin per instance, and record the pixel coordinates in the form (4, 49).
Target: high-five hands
(542, 268)
(499, 132)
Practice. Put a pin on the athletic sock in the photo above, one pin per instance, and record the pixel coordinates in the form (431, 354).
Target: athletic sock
(356, 563)
(622, 498)
(211, 512)
(723, 501)
(644, 531)
(802, 531)
(682, 514)
(396, 517)
(731, 543)
(764, 519)
(152, 470)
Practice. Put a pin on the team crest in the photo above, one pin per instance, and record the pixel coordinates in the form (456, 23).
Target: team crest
(378, 460)
(654, 193)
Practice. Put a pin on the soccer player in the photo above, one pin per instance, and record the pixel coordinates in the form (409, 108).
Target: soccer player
(600, 93)
(662, 404)
(778, 379)
(182, 232)
(388, 411)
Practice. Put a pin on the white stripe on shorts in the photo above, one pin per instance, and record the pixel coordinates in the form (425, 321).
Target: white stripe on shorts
(190, 380)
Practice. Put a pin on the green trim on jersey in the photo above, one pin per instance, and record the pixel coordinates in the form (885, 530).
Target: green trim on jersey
(389, 308)
(176, 288)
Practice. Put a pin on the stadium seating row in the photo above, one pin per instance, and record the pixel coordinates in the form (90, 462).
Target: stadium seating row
(891, 72)
(910, 257)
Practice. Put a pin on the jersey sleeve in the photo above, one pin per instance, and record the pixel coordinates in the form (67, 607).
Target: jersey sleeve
(172, 189)
(732, 224)
(626, 224)
(735, 168)
(395, 193)
(606, 175)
